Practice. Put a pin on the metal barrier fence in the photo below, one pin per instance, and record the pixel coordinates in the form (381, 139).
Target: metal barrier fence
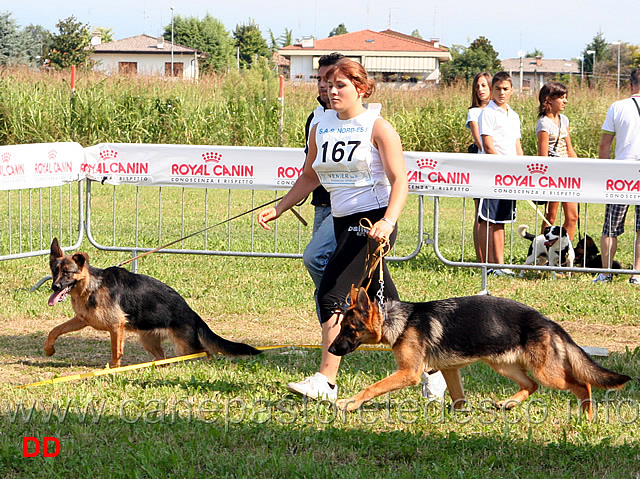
(137, 219)
(453, 243)
(31, 217)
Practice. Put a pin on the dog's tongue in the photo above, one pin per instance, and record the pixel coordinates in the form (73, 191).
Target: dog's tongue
(58, 296)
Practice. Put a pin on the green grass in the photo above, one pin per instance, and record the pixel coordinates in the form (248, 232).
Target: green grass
(234, 418)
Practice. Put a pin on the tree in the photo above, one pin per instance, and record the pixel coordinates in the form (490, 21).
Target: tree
(38, 41)
(68, 45)
(598, 45)
(467, 61)
(416, 34)
(106, 34)
(250, 43)
(207, 35)
(534, 53)
(339, 30)
(11, 41)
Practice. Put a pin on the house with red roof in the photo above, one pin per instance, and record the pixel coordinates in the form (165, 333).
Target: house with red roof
(387, 55)
(145, 55)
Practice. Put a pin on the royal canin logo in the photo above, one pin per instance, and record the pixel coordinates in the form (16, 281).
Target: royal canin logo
(109, 165)
(8, 168)
(108, 154)
(427, 163)
(212, 156)
(211, 166)
(537, 168)
(427, 173)
(623, 184)
(53, 165)
(532, 180)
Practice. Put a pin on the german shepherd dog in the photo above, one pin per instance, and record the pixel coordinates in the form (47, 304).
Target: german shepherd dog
(451, 333)
(115, 300)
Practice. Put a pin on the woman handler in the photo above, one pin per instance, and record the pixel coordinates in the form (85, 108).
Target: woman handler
(357, 156)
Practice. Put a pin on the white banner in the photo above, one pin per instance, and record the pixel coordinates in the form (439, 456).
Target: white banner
(436, 174)
(39, 165)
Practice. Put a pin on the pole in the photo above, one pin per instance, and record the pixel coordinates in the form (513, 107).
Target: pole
(281, 100)
(72, 101)
(619, 43)
(171, 41)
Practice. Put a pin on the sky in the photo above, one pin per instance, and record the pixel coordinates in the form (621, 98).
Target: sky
(561, 30)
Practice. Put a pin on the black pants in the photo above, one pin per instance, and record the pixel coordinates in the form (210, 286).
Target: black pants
(347, 264)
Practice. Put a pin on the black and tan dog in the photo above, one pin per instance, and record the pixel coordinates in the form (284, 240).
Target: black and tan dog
(115, 300)
(588, 255)
(451, 333)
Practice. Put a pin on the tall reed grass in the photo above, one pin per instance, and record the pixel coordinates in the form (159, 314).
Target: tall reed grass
(242, 108)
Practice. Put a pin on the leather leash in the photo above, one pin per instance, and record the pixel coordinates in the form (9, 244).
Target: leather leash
(155, 250)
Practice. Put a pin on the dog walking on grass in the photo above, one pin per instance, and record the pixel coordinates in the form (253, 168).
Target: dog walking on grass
(115, 300)
(451, 333)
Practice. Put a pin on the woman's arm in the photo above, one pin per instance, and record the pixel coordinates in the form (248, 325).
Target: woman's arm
(386, 140)
(305, 184)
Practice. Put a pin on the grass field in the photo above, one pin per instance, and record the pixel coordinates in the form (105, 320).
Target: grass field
(234, 418)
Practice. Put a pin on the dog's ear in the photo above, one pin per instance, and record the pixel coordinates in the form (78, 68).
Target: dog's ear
(363, 300)
(80, 259)
(353, 295)
(56, 251)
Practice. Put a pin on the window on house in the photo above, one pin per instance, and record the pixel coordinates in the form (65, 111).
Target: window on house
(128, 68)
(177, 69)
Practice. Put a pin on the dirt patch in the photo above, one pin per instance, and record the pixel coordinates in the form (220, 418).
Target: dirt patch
(615, 338)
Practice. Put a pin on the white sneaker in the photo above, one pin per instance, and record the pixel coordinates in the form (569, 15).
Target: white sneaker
(433, 385)
(315, 387)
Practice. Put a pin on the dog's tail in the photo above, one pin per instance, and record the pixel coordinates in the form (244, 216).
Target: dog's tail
(214, 344)
(587, 370)
(522, 231)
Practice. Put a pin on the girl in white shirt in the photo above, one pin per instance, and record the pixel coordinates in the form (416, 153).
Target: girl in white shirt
(554, 139)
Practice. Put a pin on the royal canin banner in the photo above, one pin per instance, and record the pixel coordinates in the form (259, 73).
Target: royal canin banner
(39, 165)
(434, 174)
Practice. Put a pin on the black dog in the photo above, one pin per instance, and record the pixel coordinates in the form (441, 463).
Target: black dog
(588, 255)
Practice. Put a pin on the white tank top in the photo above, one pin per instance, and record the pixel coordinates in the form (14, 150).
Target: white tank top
(348, 165)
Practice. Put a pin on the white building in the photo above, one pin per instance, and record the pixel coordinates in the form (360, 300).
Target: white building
(145, 55)
(537, 71)
(387, 55)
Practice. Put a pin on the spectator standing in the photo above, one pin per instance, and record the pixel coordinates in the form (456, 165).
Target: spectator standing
(622, 123)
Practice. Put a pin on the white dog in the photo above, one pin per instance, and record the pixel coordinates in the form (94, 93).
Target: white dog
(553, 247)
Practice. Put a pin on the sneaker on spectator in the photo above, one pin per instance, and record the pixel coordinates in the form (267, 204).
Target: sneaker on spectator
(433, 385)
(634, 280)
(603, 278)
(315, 387)
(504, 272)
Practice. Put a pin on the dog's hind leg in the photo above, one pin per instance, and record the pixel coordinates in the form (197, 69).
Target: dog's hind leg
(152, 342)
(565, 380)
(527, 385)
(74, 324)
(454, 385)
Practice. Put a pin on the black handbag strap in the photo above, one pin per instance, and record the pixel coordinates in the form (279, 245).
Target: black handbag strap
(638, 107)
(555, 146)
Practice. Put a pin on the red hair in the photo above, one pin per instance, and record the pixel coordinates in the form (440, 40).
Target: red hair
(355, 73)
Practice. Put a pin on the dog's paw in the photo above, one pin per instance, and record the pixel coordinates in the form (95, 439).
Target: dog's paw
(348, 405)
(49, 349)
(507, 404)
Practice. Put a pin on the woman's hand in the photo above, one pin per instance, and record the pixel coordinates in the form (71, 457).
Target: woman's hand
(381, 230)
(267, 215)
